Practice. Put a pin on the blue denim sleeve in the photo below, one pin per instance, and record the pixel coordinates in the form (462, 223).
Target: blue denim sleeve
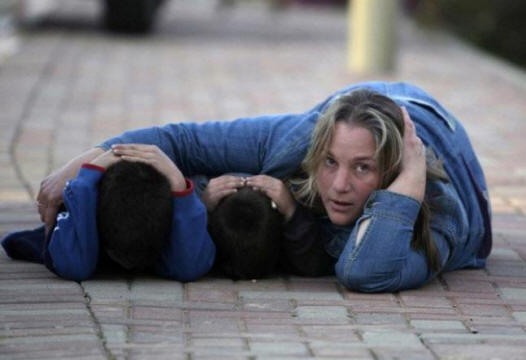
(272, 144)
(190, 252)
(74, 244)
(384, 259)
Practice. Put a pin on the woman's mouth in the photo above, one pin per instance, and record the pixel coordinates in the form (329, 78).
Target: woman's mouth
(340, 206)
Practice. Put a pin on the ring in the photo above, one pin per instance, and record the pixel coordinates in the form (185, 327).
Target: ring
(273, 205)
(39, 204)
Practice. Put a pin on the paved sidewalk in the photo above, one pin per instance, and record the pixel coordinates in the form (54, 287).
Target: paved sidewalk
(70, 86)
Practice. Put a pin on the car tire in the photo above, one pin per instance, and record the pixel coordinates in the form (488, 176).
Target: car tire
(130, 16)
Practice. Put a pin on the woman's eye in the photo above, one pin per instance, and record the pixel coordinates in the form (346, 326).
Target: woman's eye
(362, 168)
(330, 161)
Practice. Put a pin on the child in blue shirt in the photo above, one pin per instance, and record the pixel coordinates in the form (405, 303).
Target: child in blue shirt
(138, 211)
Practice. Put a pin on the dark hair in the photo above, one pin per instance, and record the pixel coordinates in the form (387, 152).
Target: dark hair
(134, 214)
(247, 233)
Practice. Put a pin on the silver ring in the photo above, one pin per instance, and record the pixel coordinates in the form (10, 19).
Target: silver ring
(273, 205)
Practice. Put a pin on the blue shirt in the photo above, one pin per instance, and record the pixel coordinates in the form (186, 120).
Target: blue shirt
(384, 260)
(72, 250)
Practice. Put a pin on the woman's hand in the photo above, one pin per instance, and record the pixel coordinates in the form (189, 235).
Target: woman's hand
(220, 187)
(276, 190)
(152, 155)
(105, 159)
(49, 196)
(412, 178)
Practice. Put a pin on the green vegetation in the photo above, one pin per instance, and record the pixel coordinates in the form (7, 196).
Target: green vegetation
(498, 26)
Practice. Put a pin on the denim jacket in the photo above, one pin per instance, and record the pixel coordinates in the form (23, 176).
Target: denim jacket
(384, 260)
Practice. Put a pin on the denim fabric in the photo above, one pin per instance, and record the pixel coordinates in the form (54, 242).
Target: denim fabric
(384, 260)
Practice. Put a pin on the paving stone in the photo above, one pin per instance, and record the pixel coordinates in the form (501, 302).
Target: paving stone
(392, 339)
(497, 329)
(212, 295)
(220, 342)
(72, 339)
(114, 333)
(165, 333)
(483, 310)
(59, 352)
(332, 313)
(469, 285)
(498, 339)
(6, 331)
(255, 329)
(426, 301)
(108, 312)
(335, 349)
(478, 351)
(268, 305)
(272, 295)
(156, 313)
(278, 348)
(520, 316)
(379, 318)
(335, 332)
(108, 290)
(159, 290)
(437, 325)
(514, 294)
(505, 254)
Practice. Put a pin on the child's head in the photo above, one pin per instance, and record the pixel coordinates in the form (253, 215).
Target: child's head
(247, 233)
(134, 214)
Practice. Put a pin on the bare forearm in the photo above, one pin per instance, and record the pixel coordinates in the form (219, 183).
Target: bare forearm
(71, 168)
(50, 193)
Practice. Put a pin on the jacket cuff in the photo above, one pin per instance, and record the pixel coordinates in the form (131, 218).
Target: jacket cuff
(189, 189)
(394, 205)
(92, 167)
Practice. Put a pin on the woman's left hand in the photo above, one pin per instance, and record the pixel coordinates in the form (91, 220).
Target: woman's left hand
(106, 159)
(412, 178)
(152, 155)
(276, 190)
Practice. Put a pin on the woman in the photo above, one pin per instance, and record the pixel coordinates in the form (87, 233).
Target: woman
(390, 221)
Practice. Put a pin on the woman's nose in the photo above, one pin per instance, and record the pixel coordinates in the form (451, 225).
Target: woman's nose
(342, 181)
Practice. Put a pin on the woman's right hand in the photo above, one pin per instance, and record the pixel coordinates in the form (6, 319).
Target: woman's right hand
(49, 196)
(277, 191)
(220, 187)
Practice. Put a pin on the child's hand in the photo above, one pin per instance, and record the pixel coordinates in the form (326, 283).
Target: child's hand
(220, 187)
(152, 155)
(106, 159)
(276, 190)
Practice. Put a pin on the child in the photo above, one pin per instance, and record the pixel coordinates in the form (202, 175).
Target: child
(247, 231)
(254, 235)
(139, 210)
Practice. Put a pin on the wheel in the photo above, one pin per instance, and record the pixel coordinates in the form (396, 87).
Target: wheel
(130, 16)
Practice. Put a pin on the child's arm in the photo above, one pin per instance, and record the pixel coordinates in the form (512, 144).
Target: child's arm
(190, 252)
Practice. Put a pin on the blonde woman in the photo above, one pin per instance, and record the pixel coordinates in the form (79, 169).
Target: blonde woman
(383, 187)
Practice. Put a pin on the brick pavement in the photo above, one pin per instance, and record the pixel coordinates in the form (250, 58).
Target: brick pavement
(70, 86)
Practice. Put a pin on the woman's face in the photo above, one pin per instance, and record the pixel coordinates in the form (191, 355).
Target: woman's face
(349, 174)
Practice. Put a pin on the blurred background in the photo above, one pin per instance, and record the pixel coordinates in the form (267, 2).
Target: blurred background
(497, 26)
(74, 72)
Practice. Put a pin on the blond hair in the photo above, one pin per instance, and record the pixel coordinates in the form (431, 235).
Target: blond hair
(383, 118)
